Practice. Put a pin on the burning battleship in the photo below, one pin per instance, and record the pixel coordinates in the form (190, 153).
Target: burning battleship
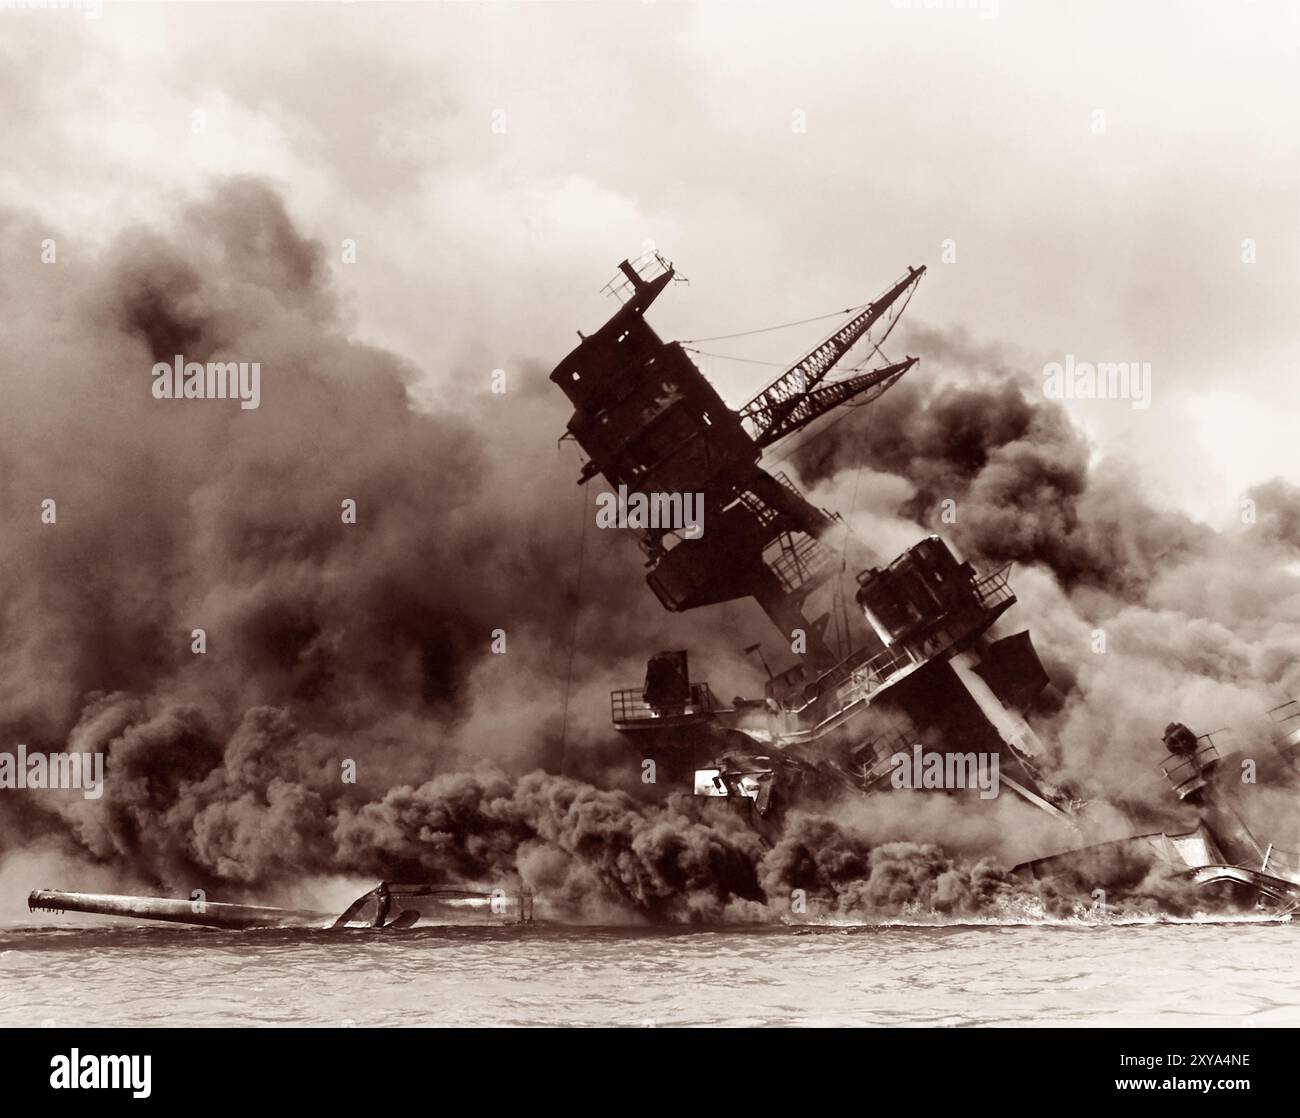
(913, 650)
(906, 659)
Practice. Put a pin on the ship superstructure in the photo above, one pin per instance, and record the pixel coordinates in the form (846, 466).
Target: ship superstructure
(923, 665)
(651, 423)
(916, 662)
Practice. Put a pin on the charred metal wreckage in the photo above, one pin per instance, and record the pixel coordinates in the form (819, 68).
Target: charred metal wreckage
(914, 660)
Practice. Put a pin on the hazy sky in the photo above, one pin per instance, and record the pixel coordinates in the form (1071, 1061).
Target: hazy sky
(791, 158)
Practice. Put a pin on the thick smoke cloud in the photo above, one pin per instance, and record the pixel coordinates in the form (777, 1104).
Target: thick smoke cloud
(1277, 506)
(367, 646)
(327, 643)
(1017, 466)
(1142, 615)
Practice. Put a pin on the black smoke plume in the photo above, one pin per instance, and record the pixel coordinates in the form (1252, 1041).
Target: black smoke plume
(349, 715)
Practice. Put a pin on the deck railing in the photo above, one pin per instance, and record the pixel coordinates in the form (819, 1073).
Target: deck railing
(1183, 772)
(628, 705)
(992, 590)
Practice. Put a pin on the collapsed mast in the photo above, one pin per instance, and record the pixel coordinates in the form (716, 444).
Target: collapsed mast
(649, 420)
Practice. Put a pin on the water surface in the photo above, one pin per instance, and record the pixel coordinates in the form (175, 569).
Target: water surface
(1234, 974)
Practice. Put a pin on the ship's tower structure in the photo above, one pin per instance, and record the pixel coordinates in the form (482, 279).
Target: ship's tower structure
(652, 424)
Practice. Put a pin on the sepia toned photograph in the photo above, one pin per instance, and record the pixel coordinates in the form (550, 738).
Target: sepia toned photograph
(649, 515)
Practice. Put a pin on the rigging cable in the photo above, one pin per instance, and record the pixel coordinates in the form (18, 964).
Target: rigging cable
(743, 360)
(845, 409)
(573, 633)
(844, 553)
(895, 313)
(769, 329)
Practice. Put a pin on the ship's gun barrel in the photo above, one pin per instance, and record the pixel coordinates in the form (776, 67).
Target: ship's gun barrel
(204, 913)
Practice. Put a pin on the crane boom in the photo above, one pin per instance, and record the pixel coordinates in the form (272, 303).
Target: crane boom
(821, 400)
(770, 408)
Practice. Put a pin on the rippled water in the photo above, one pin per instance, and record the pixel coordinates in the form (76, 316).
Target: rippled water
(1147, 974)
